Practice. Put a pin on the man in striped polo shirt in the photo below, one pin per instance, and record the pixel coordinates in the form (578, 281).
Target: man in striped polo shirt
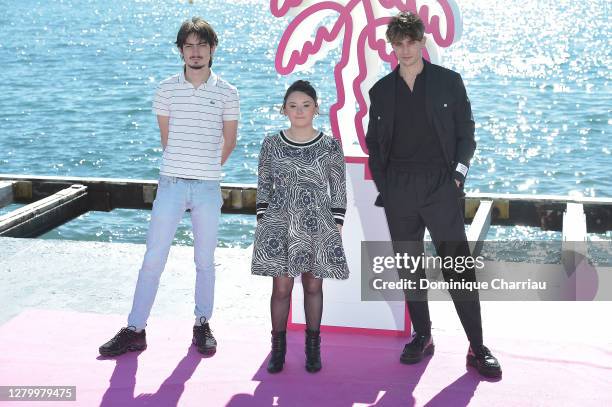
(198, 114)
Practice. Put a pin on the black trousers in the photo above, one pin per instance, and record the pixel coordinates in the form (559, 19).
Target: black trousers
(416, 198)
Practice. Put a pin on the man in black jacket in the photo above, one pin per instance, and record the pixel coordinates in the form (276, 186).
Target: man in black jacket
(420, 139)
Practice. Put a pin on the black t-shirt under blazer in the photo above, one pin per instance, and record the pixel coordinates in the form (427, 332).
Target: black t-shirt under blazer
(447, 109)
(415, 143)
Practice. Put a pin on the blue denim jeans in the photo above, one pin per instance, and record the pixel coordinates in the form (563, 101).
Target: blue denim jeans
(174, 196)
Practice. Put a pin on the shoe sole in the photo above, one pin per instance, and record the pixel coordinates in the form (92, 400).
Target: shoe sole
(428, 351)
(471, 362)
(205, 351)
(274, 371)
(313, 370)
(131, 348)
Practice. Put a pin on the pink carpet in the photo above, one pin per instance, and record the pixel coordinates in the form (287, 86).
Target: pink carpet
(40, 347)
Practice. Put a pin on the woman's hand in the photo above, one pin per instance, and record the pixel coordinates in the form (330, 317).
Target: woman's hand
(339, 228)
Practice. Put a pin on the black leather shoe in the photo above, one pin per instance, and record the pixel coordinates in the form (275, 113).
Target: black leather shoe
(313, 351)
(203, 339)
(419, 347)
(126, 340)
(482, 359)
(279, 349)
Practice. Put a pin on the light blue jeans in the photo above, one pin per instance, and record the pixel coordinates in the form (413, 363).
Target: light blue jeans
(174, 196)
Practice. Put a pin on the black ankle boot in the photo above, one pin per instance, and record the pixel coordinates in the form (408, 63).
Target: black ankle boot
(279, 348)
(313, 351)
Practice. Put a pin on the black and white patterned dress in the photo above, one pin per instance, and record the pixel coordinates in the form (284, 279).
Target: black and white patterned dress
(301, 197)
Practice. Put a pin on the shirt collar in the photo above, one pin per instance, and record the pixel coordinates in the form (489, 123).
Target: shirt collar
(212, 79)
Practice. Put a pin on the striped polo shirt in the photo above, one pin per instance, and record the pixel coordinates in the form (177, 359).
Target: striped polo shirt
(196, 122)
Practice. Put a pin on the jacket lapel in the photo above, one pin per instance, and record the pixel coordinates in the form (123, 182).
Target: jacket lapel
(429, 84)
(430, 88)
(390, 103)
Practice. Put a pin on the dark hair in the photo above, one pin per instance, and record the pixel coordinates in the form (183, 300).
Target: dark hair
(301, 86)
(405, 24)
(202, 29)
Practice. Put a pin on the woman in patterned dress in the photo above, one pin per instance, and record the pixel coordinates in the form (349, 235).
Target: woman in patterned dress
(301, 201)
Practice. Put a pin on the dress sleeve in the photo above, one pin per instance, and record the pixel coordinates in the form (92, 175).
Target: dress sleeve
(337, 182)
(265, 182)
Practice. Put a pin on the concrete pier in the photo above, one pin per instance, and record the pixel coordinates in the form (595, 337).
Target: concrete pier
(100, 277)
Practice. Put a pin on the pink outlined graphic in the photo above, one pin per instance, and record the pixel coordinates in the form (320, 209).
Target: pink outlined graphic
(366, 41)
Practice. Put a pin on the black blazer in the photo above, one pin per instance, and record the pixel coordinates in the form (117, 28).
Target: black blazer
(448, 108)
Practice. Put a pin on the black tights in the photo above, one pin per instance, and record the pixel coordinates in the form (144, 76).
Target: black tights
(281, 299)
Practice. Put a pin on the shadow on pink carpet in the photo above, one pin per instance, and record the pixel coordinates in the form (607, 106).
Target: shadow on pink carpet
(60, 348)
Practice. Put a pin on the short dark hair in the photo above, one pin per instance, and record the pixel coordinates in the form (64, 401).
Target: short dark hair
(301, 86)
(405, 24)
(202, 29)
